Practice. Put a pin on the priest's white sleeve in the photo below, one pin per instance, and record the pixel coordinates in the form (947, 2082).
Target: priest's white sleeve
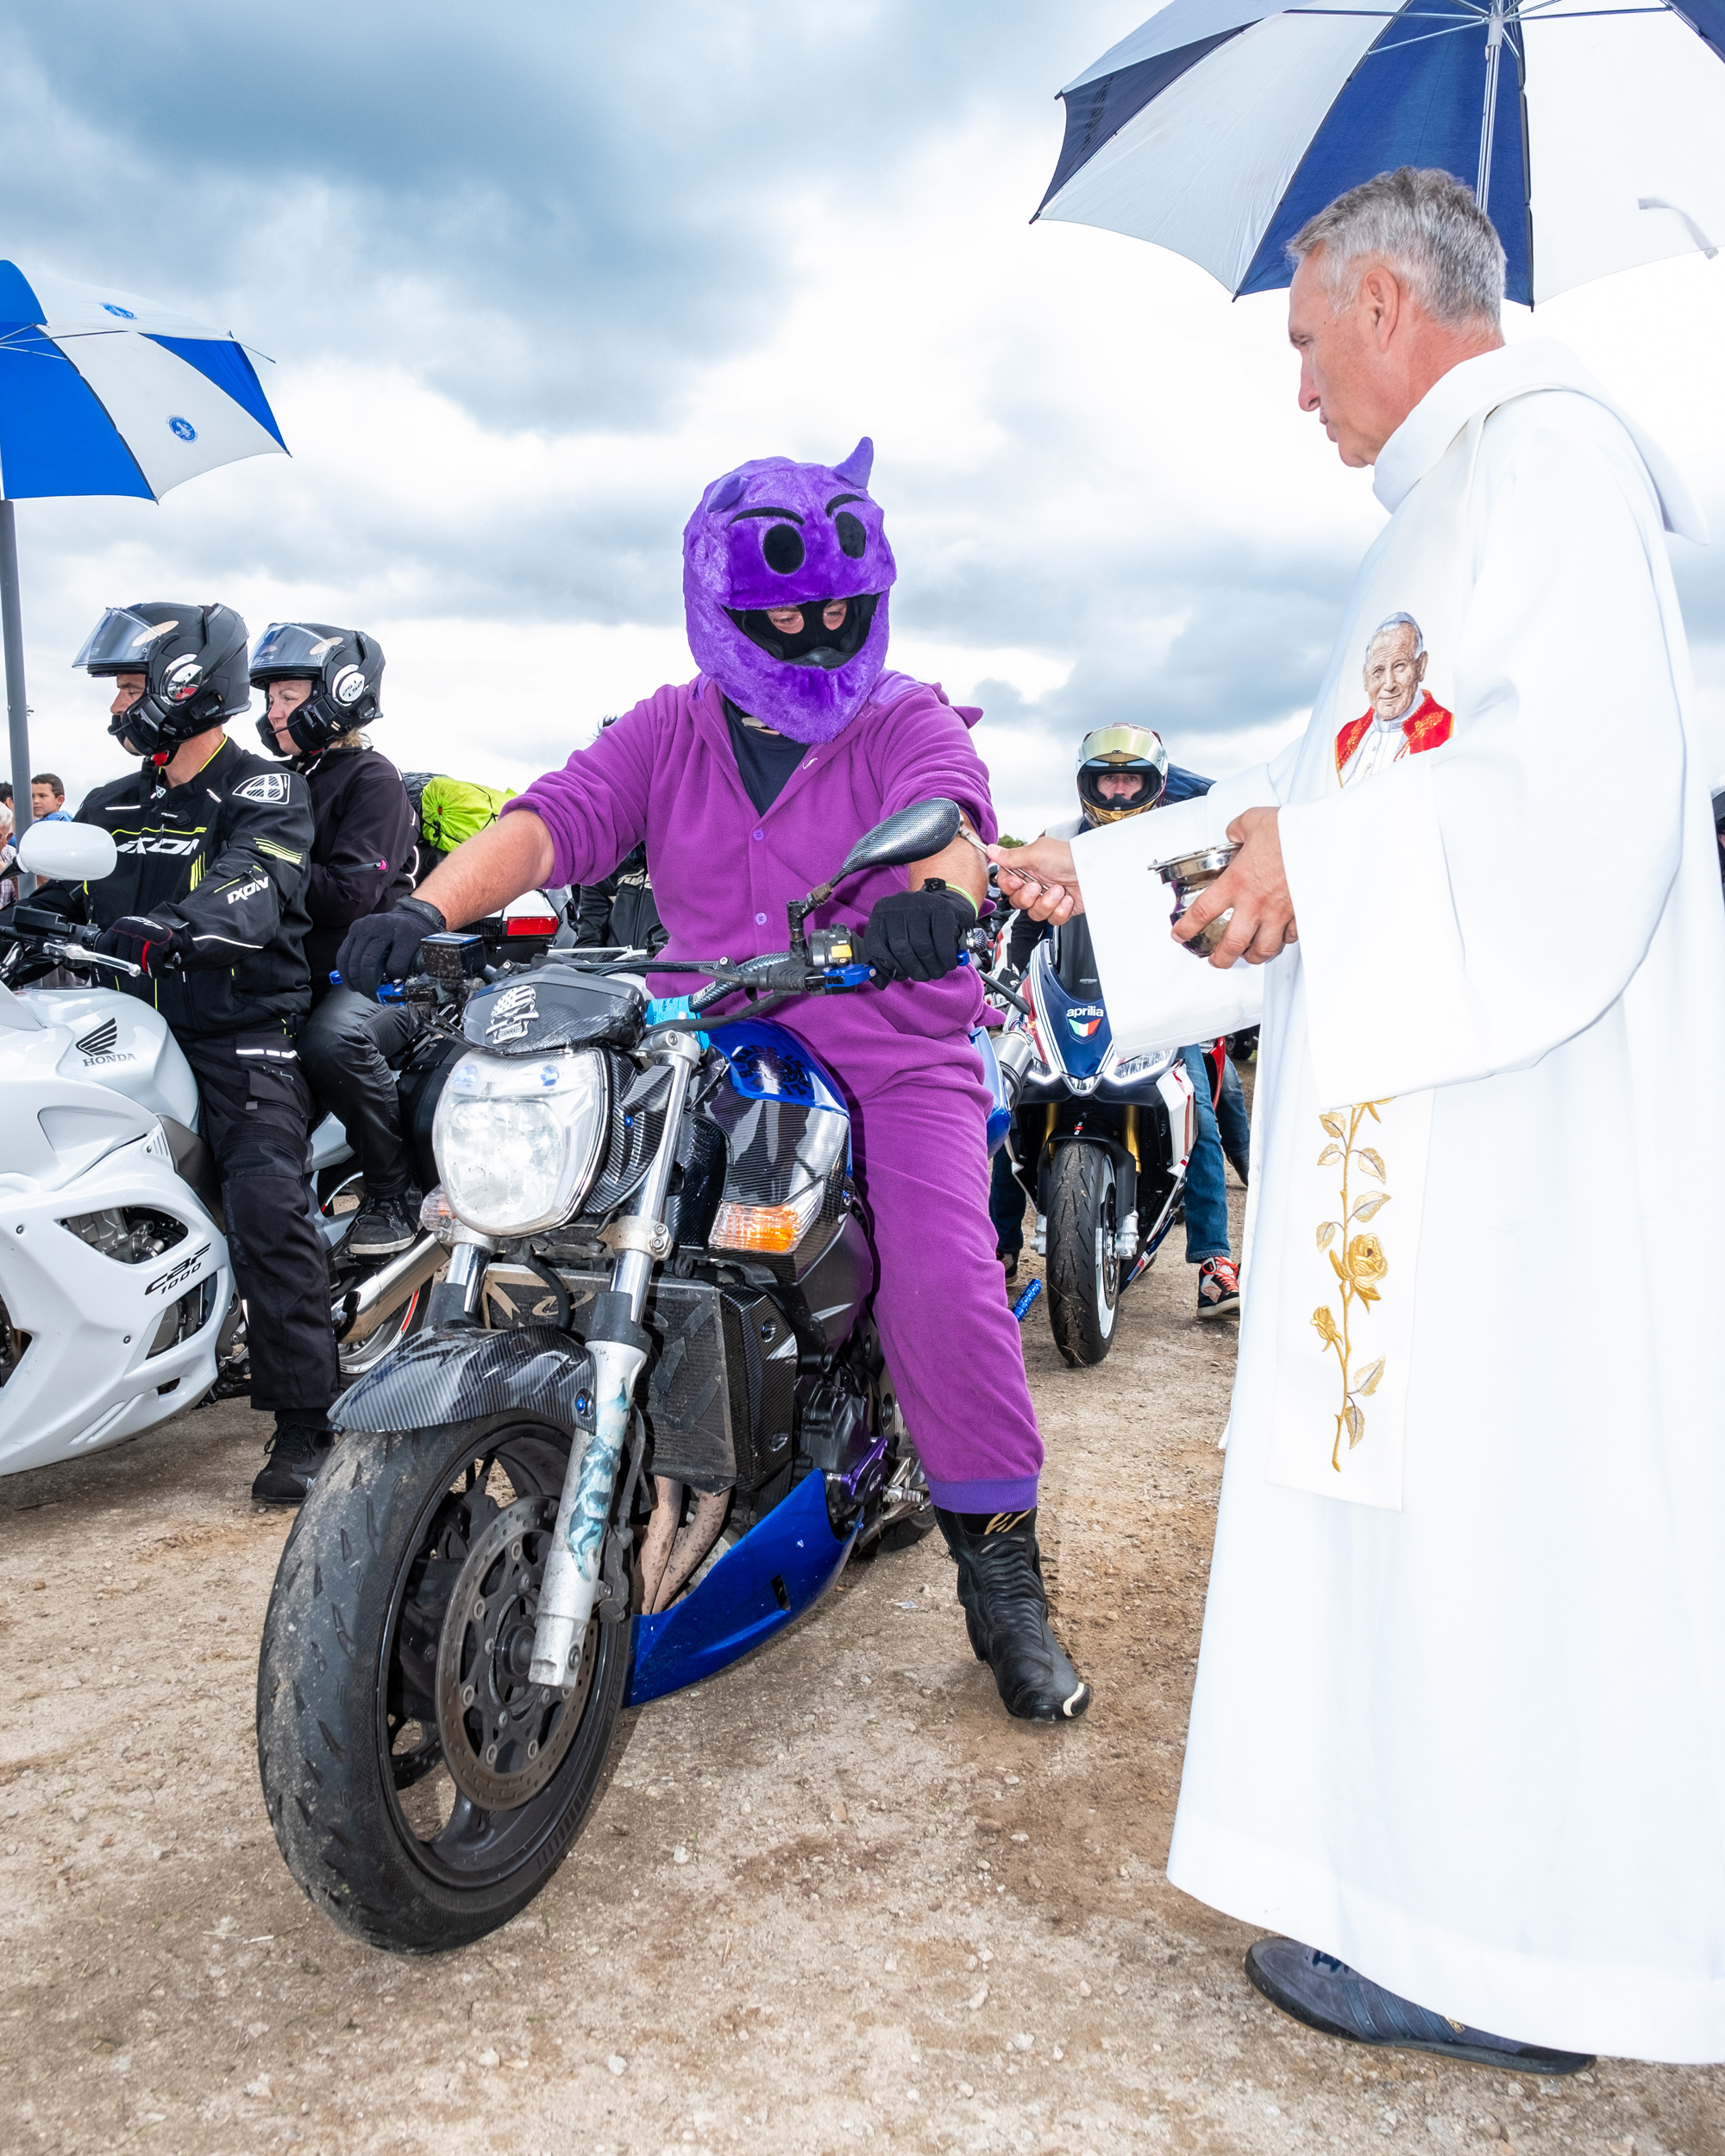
(1470, 908)
(1157, 994)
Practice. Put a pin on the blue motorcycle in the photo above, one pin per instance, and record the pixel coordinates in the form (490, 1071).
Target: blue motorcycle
(1100, 1141)
(646, 1425)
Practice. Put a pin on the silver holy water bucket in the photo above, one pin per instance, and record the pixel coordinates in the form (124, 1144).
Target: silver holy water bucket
(1189, 874)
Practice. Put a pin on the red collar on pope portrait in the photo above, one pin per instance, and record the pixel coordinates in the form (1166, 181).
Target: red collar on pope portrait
(1426, 726)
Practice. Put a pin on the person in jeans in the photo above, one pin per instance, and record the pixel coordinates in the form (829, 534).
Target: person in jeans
(1124, 771)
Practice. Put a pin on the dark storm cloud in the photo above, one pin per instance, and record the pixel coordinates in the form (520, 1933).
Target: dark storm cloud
(554, 213)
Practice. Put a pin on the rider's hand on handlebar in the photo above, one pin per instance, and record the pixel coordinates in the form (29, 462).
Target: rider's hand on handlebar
(917, 935)
(144, 941)
(381, 946)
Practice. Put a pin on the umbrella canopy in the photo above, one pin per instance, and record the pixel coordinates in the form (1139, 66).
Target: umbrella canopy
(1589, 132)
(104, 392)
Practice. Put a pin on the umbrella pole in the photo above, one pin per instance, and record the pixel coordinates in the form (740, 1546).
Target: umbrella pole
(17, 710)
(1488, 125)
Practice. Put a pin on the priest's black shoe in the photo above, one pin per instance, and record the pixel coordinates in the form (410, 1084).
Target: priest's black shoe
(1337, 2001)
(1005, 1613)
(293, 1457)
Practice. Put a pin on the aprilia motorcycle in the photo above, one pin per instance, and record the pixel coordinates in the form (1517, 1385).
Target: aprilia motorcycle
(1100, 1141)
(116, 1295)
(649, 1422)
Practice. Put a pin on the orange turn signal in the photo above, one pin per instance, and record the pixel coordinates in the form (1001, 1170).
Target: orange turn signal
(775, 1228)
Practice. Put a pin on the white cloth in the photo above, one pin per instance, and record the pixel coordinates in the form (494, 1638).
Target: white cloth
(1475, 1746)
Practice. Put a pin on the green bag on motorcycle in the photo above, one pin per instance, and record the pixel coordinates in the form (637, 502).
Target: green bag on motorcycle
(451, 810)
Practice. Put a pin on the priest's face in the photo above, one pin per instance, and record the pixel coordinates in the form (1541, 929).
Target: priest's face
(1393, 674)
(1348, 375)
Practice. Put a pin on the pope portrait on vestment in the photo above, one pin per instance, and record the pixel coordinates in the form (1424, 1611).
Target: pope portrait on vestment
(1458, 1729)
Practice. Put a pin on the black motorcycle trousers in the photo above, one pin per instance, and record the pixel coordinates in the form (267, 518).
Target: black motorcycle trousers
(256, 1122)
(344, 1051)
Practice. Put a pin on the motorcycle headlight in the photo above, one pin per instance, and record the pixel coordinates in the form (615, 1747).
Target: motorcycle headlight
(518, 1138)
(1131, 1066)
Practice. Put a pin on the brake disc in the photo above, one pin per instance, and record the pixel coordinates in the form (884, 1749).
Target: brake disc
(504, 1737)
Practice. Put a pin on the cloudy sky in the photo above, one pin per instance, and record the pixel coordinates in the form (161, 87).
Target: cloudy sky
(532, 274)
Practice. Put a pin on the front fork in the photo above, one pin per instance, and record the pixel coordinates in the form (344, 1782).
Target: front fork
(619, 1348)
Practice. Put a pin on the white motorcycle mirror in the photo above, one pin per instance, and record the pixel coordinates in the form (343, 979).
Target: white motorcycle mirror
(73, 853)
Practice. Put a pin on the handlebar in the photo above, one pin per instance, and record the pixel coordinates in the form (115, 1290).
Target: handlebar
(65, 942)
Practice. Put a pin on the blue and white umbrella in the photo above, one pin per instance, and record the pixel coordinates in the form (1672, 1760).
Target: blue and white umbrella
(104, 393)
(1593, 133)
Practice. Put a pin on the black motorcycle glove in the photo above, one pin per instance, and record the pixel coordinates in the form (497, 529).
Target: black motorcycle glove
(915, 935)
(381, 946)
(145, 942)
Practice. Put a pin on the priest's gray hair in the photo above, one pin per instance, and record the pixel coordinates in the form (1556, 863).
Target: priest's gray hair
(1425, 226)
(1397, 621)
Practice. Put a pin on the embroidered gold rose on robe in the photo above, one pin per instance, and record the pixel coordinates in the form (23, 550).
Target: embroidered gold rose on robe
(1358, 1261)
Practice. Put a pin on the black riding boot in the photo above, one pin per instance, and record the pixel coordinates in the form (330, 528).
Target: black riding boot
(293, 1457)
(1005, 1613)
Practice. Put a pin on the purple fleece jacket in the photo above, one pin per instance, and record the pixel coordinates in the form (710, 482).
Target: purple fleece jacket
(722, 874)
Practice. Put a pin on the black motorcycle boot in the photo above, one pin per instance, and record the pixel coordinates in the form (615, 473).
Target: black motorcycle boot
(1006, 1613)
(293, 1457)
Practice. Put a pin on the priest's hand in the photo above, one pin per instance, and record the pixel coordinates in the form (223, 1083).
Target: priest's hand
(1255, 885)
(1041, 878)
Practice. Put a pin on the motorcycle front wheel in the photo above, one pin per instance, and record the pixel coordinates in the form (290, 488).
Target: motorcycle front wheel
(421, 1789)
(1083, 1272)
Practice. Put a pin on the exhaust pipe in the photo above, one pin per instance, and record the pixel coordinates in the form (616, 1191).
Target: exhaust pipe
(360, 1312)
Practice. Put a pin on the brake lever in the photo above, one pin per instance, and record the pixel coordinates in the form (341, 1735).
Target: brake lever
(76, 954)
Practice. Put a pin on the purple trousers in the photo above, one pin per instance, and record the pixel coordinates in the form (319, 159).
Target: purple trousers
(919, 1147)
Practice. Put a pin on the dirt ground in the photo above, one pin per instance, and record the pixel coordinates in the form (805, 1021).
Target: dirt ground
(832, 1898)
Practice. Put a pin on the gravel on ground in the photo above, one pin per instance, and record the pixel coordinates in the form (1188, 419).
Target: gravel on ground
(831, 1899)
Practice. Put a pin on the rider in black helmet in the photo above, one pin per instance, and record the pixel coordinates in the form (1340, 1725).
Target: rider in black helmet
(321, 688)
(208, 896)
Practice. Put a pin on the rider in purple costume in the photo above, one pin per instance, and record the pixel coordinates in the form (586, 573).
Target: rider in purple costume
(747, 785)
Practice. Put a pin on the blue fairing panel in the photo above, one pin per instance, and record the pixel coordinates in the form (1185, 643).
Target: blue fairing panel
(779, 1570)
(768, 1062)
(999, 1111)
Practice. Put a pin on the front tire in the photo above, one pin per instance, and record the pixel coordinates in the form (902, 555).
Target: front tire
(421, 1791)
(1083, 1272)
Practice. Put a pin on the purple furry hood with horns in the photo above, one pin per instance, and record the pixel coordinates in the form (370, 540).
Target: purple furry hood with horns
(775, 534)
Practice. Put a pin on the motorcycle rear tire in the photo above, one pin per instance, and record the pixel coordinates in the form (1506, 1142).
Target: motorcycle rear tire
(327, 1664)
(1084, 1273)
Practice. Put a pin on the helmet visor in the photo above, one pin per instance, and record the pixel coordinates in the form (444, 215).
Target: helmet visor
(292, 648)
(121, 642)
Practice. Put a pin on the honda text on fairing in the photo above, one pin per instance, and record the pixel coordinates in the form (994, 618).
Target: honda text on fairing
(117, 1305)
(647, 1427)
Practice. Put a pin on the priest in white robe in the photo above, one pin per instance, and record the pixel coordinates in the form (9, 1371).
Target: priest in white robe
(1458, 1730)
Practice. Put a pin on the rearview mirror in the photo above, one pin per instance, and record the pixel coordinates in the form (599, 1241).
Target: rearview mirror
(925, 828)
(75, 853)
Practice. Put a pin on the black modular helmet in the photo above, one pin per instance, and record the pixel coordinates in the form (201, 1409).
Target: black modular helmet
(193, 661)
(344, 667)
(1133, 754)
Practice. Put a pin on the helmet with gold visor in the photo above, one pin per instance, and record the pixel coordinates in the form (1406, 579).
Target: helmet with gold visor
(1121, 772)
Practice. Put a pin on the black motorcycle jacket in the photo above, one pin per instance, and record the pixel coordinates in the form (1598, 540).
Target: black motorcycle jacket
(622, 912)
(227, 855)
(362, 848)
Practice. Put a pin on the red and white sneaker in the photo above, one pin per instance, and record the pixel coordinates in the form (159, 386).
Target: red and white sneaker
(1219, 1287)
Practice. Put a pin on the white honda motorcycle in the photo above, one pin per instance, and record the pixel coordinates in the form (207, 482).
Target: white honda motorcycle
(117, 1305)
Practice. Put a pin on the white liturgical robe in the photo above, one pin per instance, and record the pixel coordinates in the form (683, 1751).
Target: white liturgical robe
(1460, 1717)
